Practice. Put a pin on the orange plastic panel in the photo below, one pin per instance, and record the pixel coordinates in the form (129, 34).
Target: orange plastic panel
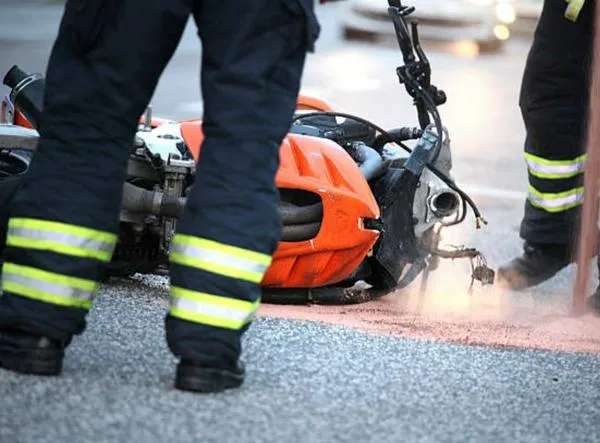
(322, 167)
(20, 120)
(191, 131)
(308, 103)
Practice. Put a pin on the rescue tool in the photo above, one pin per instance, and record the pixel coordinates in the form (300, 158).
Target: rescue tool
(362, 211)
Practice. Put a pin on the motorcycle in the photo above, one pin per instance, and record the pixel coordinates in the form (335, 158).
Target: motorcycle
(362, 211)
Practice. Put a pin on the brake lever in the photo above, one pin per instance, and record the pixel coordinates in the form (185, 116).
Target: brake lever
(416, 72)
(438, 95)
(424, 66)
(397, 11)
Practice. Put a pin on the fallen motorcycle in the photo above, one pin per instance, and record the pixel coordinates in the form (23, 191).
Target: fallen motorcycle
(362, 211)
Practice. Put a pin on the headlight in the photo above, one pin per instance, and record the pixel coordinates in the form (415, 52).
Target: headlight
(505, 13)
(501, 32)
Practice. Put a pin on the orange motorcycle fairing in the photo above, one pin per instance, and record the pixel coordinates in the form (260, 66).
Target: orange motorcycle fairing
(309, 103)
(21, 120)
(322, 168)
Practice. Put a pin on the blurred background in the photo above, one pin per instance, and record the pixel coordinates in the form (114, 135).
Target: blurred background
(477, 50)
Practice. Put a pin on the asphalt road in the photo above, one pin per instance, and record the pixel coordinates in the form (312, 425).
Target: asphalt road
(312, 382)
(307, 383)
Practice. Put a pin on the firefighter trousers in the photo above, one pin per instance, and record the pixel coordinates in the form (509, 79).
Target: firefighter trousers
(554, 106)
(103, 70)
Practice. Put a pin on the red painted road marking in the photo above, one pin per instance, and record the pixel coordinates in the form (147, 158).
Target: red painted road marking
(484, 320)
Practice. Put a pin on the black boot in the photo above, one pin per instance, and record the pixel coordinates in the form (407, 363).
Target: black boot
(30, 354)
(537, 264)
(206, 379)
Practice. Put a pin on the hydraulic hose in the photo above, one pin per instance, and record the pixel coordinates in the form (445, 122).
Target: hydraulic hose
(295, 233)
(370, 162)
(292, 214)
(136, 199)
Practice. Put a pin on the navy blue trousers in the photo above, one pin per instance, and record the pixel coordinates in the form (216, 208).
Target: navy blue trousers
(554, 105)
(102, 73)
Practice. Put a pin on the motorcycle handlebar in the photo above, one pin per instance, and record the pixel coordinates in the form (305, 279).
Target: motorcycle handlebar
(27, 93)
(13, 77)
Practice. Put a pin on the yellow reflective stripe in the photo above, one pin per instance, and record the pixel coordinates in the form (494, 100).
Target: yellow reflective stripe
(47, 286)
(219, 258)
(556, 202)
(573, 9)
(555, 169)
(212, 310)
(60, 238)
(78, 231)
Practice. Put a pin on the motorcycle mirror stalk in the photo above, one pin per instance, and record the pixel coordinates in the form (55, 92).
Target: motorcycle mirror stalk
(416, 72)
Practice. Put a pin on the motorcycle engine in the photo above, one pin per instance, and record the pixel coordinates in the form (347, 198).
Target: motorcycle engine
(161, 165)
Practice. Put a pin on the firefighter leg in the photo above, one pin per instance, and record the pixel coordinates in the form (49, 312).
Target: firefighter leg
(102, 72)
(251, 72)
(553, 101)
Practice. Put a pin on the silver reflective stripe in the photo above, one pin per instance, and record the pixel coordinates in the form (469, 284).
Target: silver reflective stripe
(555, 171)
(210, 309)
(556, 202)
(62, 238)
(226, 313)
(219, 259)
(51, 288)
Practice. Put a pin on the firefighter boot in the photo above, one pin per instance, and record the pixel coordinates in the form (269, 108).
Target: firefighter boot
(207, 379)
(30, 354)
(537, 264)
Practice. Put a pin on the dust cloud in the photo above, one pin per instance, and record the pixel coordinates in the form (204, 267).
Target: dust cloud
(447, 311)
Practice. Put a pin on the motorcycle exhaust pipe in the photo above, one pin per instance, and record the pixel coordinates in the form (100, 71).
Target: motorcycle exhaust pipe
(136, 199)
(444, 203)
(27, 93)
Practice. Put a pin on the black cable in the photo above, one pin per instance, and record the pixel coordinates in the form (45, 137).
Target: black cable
(437, 172)
(430, 107)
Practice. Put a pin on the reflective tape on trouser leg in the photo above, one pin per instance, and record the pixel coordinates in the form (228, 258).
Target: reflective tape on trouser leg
(574, 8)
(219, 258)
(211, 310)
(53, 286)
(60, 238)
(556, 202)
(47, 286)
(224, 261)
(554, 169)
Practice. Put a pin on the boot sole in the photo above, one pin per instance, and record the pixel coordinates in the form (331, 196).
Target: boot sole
(46, 362)
(206, 380)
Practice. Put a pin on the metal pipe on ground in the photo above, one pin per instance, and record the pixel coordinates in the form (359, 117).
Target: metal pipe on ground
(589, 216)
